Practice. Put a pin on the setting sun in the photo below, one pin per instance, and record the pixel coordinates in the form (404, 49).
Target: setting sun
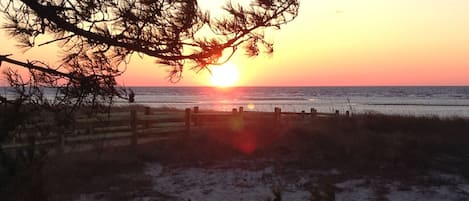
(225, 75)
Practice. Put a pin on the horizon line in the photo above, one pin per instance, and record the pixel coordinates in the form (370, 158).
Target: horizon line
(176, 86)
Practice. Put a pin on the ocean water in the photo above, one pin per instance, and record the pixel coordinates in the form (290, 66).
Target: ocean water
(420, 101)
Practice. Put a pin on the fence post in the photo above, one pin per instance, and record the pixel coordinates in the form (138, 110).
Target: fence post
(277, 111)
(133, 127)
(147, 112)
(234, 114)
(194, 117)
(188, 120)
(313, 112)
(241, 113)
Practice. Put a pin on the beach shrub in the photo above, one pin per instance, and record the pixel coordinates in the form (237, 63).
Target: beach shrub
(323, 190)
(374, 142)
(27, 121)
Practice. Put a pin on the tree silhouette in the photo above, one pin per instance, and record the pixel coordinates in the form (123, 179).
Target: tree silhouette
(97, 38)
(174, 32)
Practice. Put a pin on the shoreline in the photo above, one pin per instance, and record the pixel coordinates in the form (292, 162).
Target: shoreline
(426, 101)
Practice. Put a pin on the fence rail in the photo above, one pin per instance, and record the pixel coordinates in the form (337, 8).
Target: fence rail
(137, 124)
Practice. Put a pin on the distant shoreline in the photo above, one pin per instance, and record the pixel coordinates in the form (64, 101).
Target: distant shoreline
(287, 86)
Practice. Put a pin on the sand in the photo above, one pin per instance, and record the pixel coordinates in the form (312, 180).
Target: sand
(242, 181)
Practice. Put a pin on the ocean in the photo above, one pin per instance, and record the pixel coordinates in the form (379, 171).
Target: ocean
(420, 101)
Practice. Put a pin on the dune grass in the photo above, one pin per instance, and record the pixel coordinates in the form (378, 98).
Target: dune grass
(385, 145)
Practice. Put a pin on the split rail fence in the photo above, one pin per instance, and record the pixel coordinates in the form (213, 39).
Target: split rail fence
(149, 123)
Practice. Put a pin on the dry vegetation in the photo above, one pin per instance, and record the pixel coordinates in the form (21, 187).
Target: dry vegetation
(388, 146)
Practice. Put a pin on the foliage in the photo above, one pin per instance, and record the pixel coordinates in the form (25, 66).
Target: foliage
(174, 32)
(98, 38)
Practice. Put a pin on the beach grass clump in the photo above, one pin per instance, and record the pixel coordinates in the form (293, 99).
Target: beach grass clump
(323, 190)
(383, 141)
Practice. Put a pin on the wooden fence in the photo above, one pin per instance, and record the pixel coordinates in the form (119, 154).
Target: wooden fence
(135, 124)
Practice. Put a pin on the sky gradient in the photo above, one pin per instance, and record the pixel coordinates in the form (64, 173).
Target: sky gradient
(336, 43)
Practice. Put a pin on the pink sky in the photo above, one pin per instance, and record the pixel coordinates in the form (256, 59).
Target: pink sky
(338, 42)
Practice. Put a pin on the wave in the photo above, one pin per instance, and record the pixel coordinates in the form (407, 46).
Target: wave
(418, 104)
(274, 99)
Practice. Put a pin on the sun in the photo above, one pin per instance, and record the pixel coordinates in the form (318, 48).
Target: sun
(225, 75)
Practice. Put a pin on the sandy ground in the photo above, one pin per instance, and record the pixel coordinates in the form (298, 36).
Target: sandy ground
(243, 181)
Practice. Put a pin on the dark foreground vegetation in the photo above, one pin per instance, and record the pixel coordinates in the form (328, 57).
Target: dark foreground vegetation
(371, 144)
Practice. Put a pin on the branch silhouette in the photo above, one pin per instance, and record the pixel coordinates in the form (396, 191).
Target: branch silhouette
(167, 30)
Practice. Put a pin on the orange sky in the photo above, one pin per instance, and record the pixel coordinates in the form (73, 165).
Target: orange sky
(338, 42)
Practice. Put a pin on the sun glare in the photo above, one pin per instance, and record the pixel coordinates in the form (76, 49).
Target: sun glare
(225, 75)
